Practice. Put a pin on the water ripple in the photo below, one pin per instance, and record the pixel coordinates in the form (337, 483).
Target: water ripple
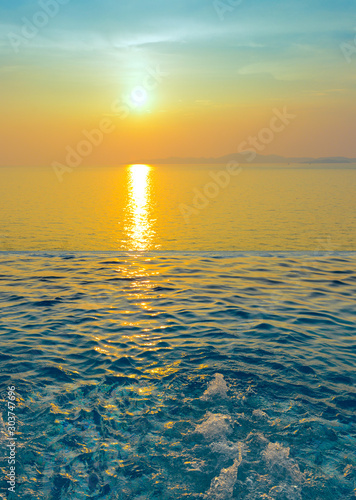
(155, 376)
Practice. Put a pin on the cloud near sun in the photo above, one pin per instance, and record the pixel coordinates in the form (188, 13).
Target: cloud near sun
(65, 62)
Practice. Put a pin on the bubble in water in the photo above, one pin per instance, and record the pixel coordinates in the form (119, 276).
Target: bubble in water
(217, 387)
(222, 486)
(215, 426)
(275, 453)
(277, 458)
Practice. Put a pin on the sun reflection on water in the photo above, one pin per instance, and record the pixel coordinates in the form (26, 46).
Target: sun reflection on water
(139, 223)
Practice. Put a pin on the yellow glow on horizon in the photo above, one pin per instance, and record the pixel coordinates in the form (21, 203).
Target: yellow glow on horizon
(139, 226)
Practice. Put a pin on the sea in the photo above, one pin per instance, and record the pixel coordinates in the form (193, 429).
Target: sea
(178, 332)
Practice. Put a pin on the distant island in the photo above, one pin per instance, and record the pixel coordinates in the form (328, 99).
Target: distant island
(244, 158)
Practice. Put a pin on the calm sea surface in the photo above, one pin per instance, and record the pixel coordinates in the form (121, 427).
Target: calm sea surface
(168, 207)
(163, 356)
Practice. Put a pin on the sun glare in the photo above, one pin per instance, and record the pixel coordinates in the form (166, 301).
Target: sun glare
(139, 226)
(139, 96)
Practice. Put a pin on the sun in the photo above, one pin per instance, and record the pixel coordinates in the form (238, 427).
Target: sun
(138, 96)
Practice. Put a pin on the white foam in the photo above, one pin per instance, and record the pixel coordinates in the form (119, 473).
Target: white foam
(278, 456)
(216, 388)
(215, 426)
(275, 453)
(222, 486)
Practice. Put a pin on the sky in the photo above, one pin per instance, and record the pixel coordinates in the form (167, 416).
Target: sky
(184, 78)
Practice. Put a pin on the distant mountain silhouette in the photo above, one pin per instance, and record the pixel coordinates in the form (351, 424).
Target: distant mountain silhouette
(245, 158)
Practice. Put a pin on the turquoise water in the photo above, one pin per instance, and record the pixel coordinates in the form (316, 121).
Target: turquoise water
(195, 375)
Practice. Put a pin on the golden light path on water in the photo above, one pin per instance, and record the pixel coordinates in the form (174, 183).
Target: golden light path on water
(139, 223)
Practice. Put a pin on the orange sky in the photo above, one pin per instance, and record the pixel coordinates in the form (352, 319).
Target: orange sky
(196, 85)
